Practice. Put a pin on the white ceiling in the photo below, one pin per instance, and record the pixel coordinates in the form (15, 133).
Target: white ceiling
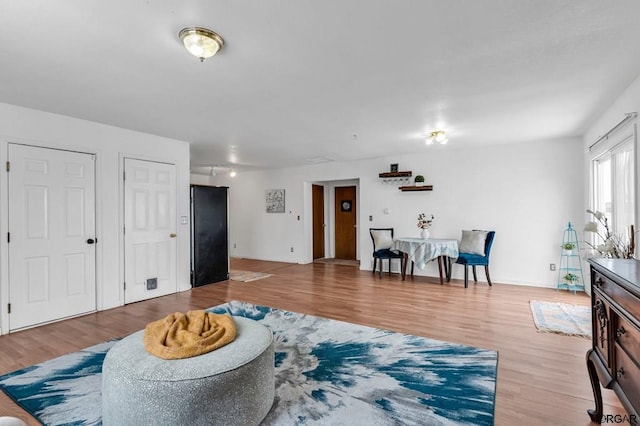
(297, 79)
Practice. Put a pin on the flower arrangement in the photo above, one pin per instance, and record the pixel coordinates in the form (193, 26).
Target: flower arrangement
(612, 245)
(568, 246)
(423, 222)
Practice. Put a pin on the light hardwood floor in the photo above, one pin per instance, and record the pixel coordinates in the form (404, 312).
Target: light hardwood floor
(542, 377)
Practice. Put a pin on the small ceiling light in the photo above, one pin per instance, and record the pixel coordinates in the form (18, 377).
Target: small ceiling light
(201, 42)
(232, 173)
(437, 136)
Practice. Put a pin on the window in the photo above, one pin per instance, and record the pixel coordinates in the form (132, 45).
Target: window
(614, 185)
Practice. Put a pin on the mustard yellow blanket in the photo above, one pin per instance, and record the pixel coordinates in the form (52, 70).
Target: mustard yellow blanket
(186, 335)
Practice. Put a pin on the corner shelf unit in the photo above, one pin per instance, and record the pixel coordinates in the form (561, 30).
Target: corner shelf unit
(570, 262)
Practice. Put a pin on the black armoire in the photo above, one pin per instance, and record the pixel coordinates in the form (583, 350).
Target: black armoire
(209, 234)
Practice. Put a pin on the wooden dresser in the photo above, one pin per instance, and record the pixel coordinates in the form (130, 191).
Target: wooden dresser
(614, 358)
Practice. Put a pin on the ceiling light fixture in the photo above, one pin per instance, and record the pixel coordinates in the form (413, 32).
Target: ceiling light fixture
(437, 136)
(232, 173)
(201, 42)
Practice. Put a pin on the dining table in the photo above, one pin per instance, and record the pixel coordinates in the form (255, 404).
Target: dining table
(421, 251)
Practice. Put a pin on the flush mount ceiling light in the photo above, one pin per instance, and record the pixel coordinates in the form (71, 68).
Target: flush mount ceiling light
(437, 136)
(201, 42)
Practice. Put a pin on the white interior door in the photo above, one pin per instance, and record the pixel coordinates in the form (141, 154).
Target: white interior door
(150, 229)
(51, 235)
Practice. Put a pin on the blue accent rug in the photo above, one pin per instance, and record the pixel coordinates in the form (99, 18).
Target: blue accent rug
(327, 372)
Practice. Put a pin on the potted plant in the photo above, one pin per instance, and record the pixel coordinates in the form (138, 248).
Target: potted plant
(571, 278)
(419, 180)
(568, 247)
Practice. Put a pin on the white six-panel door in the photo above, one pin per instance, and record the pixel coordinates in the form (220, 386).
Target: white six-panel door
(150, 229)
(52, 235)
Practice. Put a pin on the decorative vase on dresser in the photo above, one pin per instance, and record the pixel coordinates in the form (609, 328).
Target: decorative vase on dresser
(614, 356)
(425, 234)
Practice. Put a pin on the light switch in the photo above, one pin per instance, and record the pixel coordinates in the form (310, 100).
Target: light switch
(184, 220)
(386, 211)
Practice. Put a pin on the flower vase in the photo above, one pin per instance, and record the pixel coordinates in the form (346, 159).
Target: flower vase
(424, 234)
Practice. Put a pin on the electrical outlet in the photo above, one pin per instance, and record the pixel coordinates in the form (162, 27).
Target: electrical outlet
(291, 249)
(552, 266)
(234, 245)
(370, 218)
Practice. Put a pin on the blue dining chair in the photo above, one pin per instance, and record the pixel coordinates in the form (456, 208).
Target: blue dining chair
(474, 258)
(382, 243)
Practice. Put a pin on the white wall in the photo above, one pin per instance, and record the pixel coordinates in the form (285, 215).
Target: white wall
(110, 145)
(628, 101)
(199, 179)
(526, 193)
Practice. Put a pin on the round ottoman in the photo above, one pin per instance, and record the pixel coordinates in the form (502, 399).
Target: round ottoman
(232, 385)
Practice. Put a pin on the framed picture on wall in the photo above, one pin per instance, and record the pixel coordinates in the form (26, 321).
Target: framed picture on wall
(275, 200)
(394, 168)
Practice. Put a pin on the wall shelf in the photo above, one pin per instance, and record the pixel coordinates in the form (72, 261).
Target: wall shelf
(416, 188)
(403, 177)
(394, 174)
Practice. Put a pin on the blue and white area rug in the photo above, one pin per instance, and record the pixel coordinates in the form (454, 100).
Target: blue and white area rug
(561, 318)
(327, 373)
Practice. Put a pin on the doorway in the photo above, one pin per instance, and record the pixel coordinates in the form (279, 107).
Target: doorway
(317, 192)
(149, 229)
(52, 255)
(345, 222)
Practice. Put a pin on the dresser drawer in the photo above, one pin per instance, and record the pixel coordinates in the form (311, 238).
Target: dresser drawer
(625, 299)
(628, 376)
(627, 337)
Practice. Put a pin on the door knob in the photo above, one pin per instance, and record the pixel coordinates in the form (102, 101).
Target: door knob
(172, 235)
(91, 241)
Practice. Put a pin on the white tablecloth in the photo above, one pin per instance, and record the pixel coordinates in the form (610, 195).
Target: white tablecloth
(421, 251)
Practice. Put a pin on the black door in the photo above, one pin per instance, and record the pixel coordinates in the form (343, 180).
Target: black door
(209, 235)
